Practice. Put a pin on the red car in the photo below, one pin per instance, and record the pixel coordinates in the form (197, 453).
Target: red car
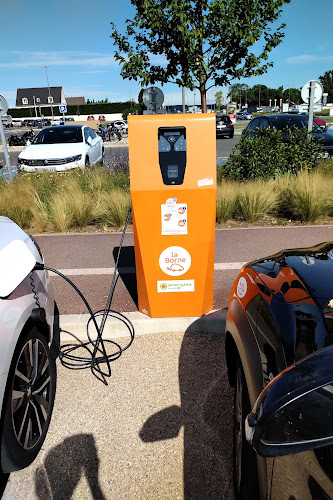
(101, 118)
(319, 121)
(90, 118)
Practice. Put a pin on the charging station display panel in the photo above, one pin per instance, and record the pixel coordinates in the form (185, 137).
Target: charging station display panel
(172, 154)
(173, 189)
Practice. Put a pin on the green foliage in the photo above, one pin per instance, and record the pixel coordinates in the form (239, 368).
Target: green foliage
(85, 109)
(219, 100)
(240, 93)
(272, 153)
(327, 81)
(206, 40)
(324, 112)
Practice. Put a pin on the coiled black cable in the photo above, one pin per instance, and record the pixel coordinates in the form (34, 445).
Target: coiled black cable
(98, 355)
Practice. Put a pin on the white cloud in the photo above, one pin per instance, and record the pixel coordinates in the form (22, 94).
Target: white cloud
(29, 59)
(309, 59)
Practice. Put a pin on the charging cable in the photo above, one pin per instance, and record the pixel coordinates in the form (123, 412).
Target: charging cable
(96, 348)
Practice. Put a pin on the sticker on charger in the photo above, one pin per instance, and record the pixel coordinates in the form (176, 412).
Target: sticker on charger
(173, 218)
(168, 286)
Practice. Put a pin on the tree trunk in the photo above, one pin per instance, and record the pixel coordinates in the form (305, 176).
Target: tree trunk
(203, 95)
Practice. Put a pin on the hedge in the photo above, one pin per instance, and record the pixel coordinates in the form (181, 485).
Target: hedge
(85, 109)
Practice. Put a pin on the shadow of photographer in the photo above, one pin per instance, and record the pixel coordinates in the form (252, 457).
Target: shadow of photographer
(205, 413)
(64, 466)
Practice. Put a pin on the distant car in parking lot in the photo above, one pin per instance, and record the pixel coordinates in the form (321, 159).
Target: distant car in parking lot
(281, 121)
(57, 149)
(319, 121)
(224, 126)
(121, 125)
(244, 115)
(101, 118)
(69, 119)
(58, 120)
(90, 118)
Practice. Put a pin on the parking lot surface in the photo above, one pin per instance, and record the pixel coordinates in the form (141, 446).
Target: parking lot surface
(160, 429)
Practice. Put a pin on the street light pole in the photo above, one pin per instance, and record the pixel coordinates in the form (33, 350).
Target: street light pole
(48, 86)
(35, 106)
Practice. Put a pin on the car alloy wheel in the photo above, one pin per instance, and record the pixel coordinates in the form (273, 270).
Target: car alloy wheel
(30, 396)
(245, 463)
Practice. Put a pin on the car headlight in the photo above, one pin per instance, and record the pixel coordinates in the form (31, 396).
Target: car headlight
(73, 158)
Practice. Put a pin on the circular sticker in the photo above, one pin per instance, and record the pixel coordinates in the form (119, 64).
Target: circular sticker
(175, 261)
(242, 287)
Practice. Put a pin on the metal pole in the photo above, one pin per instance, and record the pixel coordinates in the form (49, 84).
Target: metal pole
(48, 86)
(35, 106)
(259, 95)
(183, 99)
(311, 102)
(5, 149)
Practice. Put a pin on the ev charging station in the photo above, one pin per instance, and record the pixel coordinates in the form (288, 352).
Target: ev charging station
(173, 189)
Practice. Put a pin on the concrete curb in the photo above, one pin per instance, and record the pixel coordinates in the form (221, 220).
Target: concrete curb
(75, 325)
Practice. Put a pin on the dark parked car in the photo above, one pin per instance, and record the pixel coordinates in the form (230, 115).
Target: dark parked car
(281, 313)
(284, 120)
(224, 126)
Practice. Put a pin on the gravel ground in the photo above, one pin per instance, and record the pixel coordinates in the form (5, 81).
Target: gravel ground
(161, 428)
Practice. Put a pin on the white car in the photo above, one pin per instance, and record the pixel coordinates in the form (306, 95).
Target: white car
(57, 149)
(58, 121)
(121, 125)
(27, 375)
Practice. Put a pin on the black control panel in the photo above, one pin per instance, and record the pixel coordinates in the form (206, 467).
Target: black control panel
(172, 154)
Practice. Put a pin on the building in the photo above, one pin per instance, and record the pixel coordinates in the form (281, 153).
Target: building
(40, 97)
(76, 101)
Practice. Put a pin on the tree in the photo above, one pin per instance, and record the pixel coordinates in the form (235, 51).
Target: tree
(219, 99)
(203, 43)
(327, 82)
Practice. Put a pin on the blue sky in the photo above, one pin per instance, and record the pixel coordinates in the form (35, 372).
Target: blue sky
(73, 38)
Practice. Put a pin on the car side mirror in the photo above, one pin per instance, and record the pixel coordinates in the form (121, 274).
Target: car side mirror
(16, 262)
(294, 413)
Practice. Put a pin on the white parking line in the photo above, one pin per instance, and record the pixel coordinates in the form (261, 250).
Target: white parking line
(223, 266)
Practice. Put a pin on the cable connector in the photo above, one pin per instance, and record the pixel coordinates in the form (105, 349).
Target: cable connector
(39, 267)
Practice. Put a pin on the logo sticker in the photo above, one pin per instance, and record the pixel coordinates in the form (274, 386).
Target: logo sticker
(171, 286)
(242, 287)
(175, 261)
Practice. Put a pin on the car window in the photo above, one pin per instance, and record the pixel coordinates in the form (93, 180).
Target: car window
(59, 135)
(263, 123)
(92, 133)
(223, 119)
(86, 134)
(253, 124)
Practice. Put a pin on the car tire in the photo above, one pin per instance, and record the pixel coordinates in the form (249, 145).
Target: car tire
(245, 462)
(87, 162)
(28, 402)
(231, 136)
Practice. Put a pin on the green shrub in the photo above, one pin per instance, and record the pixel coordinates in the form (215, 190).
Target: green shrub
(270, 154)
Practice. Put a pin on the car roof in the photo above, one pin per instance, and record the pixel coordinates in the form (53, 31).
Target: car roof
(65, 127)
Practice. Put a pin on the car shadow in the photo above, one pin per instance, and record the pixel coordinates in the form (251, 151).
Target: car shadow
(64, 466)
(205, 413)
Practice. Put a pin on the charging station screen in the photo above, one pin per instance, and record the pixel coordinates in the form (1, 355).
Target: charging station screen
(172, 154)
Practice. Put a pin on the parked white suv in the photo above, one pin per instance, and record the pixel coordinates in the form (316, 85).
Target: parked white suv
(27, 375)
(58, 121)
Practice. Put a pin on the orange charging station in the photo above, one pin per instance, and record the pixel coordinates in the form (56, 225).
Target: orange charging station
(173, 188)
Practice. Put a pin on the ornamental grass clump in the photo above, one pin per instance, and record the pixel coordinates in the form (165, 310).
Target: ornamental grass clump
(256, 200)
(226, 201)
(114, 207)
(16, 201)
(308, 196)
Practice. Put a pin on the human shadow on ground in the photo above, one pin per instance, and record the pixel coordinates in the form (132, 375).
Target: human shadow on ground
(127, 270)
(64, 466)
(206, 413)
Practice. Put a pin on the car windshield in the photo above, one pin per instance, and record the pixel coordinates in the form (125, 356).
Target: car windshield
(59, 135)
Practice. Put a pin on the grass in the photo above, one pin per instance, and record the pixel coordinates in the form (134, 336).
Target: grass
(100, 198)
